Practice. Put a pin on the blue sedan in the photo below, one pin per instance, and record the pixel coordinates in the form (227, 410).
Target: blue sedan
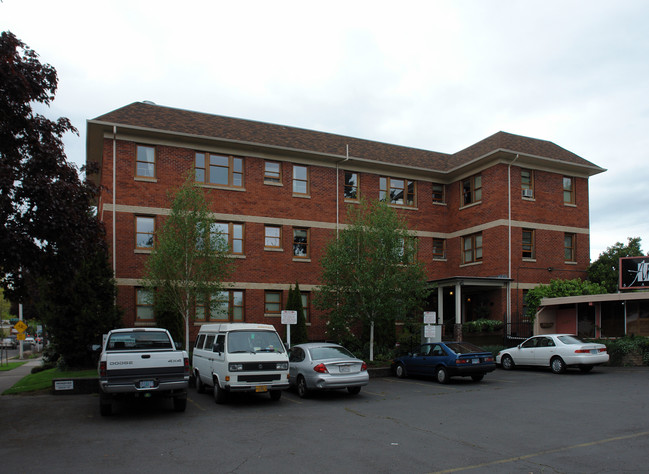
(444, 360)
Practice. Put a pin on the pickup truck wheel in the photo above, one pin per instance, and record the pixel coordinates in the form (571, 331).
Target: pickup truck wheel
(275, 395)
(220, 395)
(180, 403)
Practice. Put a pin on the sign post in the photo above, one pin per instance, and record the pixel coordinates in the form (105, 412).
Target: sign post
(288, 318)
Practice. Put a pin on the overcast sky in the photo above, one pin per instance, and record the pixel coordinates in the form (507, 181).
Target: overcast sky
(437, 75)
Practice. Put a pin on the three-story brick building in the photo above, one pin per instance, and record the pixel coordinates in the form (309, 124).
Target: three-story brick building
(492, 220)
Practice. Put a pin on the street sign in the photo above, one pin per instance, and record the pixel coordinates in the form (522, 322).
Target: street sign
(20, 326)
(430, 317)
(21, 336)
(289, 317)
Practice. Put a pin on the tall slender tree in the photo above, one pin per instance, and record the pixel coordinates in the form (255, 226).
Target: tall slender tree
(190, 258)
(370, 272)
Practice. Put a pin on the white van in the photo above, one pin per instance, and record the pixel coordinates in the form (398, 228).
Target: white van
(240, 357)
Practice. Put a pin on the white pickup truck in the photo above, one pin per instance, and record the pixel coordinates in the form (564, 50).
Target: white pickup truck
(142, 362)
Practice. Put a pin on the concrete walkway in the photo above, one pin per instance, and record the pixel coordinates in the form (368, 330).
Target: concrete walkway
(8, 378)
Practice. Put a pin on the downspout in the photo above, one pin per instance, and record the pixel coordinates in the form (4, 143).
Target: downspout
(338, 189)
(114, 200)
(509, 225)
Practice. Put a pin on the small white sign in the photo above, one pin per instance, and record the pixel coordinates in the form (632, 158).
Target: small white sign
(289, 317)
(64, 385)
(430, 317)
(430, 331)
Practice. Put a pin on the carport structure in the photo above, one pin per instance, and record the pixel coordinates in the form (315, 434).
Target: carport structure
(590, 316)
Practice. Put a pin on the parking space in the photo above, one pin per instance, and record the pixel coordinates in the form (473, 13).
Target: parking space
(520, 421)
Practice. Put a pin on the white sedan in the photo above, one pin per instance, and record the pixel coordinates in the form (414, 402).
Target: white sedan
(557, 351)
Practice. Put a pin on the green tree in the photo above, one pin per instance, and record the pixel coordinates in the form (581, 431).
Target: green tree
(77, 312)
(558, 288)
(606, 269)
(190, 258)
(294, 303)
(44, 206)
(370, 273)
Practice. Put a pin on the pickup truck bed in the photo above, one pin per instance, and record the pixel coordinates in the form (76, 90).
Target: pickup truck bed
(142, 363)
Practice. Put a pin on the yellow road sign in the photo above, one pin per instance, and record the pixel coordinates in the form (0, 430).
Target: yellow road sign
(20, 326)
(21, 336)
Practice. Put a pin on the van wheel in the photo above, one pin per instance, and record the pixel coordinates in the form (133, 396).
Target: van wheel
(220, 395)
(200, 386)
(275, 395)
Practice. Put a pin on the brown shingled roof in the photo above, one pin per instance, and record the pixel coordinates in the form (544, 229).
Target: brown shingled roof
(172, 120)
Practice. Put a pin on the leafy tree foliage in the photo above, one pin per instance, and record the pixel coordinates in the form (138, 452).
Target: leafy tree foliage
(49, 236)
(558, 288)
(188, 261)
(606, 269)
(78, 311)
(44, 207)
(294, 303)
(370, 274)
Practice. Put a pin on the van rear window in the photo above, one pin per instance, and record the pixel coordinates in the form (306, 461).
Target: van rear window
(138, 341)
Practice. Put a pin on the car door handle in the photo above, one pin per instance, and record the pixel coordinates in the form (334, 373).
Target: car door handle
(146, 356)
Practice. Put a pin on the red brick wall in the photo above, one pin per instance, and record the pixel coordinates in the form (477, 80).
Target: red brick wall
(261, 267)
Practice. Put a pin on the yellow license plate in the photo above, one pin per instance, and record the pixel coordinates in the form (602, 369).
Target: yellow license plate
(261, 388)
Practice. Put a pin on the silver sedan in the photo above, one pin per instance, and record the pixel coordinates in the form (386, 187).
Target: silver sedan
(325, 366)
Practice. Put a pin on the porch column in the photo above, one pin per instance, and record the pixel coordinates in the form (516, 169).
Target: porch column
(457, 329)
(440, 305)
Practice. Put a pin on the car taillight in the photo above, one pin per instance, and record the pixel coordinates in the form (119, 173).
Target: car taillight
(186, 365)
(602, 349)
(363, 366)
(102, 368)
(488, 359)
(321, 368)
(582, 351)
(462, 361)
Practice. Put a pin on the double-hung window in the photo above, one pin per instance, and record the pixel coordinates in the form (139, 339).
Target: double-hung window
(223, 306)
(472, 190)
(273, 303)
(143, 305)
(439, 249)
(145, 162)
(300, 180)
(300, 243)
(439, 193)
(472, 248)
(144, 232)
(568, 190)
(230, 233)
(569, 244)
(305, 305)
(397, 191)
(272, 237)
(527, 183)
(528, 244)
(272, 172)
(219, 170)
(351, 186)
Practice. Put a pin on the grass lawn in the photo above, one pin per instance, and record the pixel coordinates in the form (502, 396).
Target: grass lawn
(12, 365)
(43, 380)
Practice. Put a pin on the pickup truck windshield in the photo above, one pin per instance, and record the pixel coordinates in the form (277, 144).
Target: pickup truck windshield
(138, 341)
(254, 341)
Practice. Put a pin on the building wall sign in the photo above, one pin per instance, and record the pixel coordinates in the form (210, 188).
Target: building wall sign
(634, 273)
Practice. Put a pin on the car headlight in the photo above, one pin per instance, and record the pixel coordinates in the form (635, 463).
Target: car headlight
(281, 366)
(234, 367)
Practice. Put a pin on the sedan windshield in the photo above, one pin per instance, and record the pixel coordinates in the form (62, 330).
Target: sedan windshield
(254, 341)
(330, 352)
(571, 340)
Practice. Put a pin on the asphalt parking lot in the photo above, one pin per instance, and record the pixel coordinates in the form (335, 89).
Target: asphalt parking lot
(522, 421)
